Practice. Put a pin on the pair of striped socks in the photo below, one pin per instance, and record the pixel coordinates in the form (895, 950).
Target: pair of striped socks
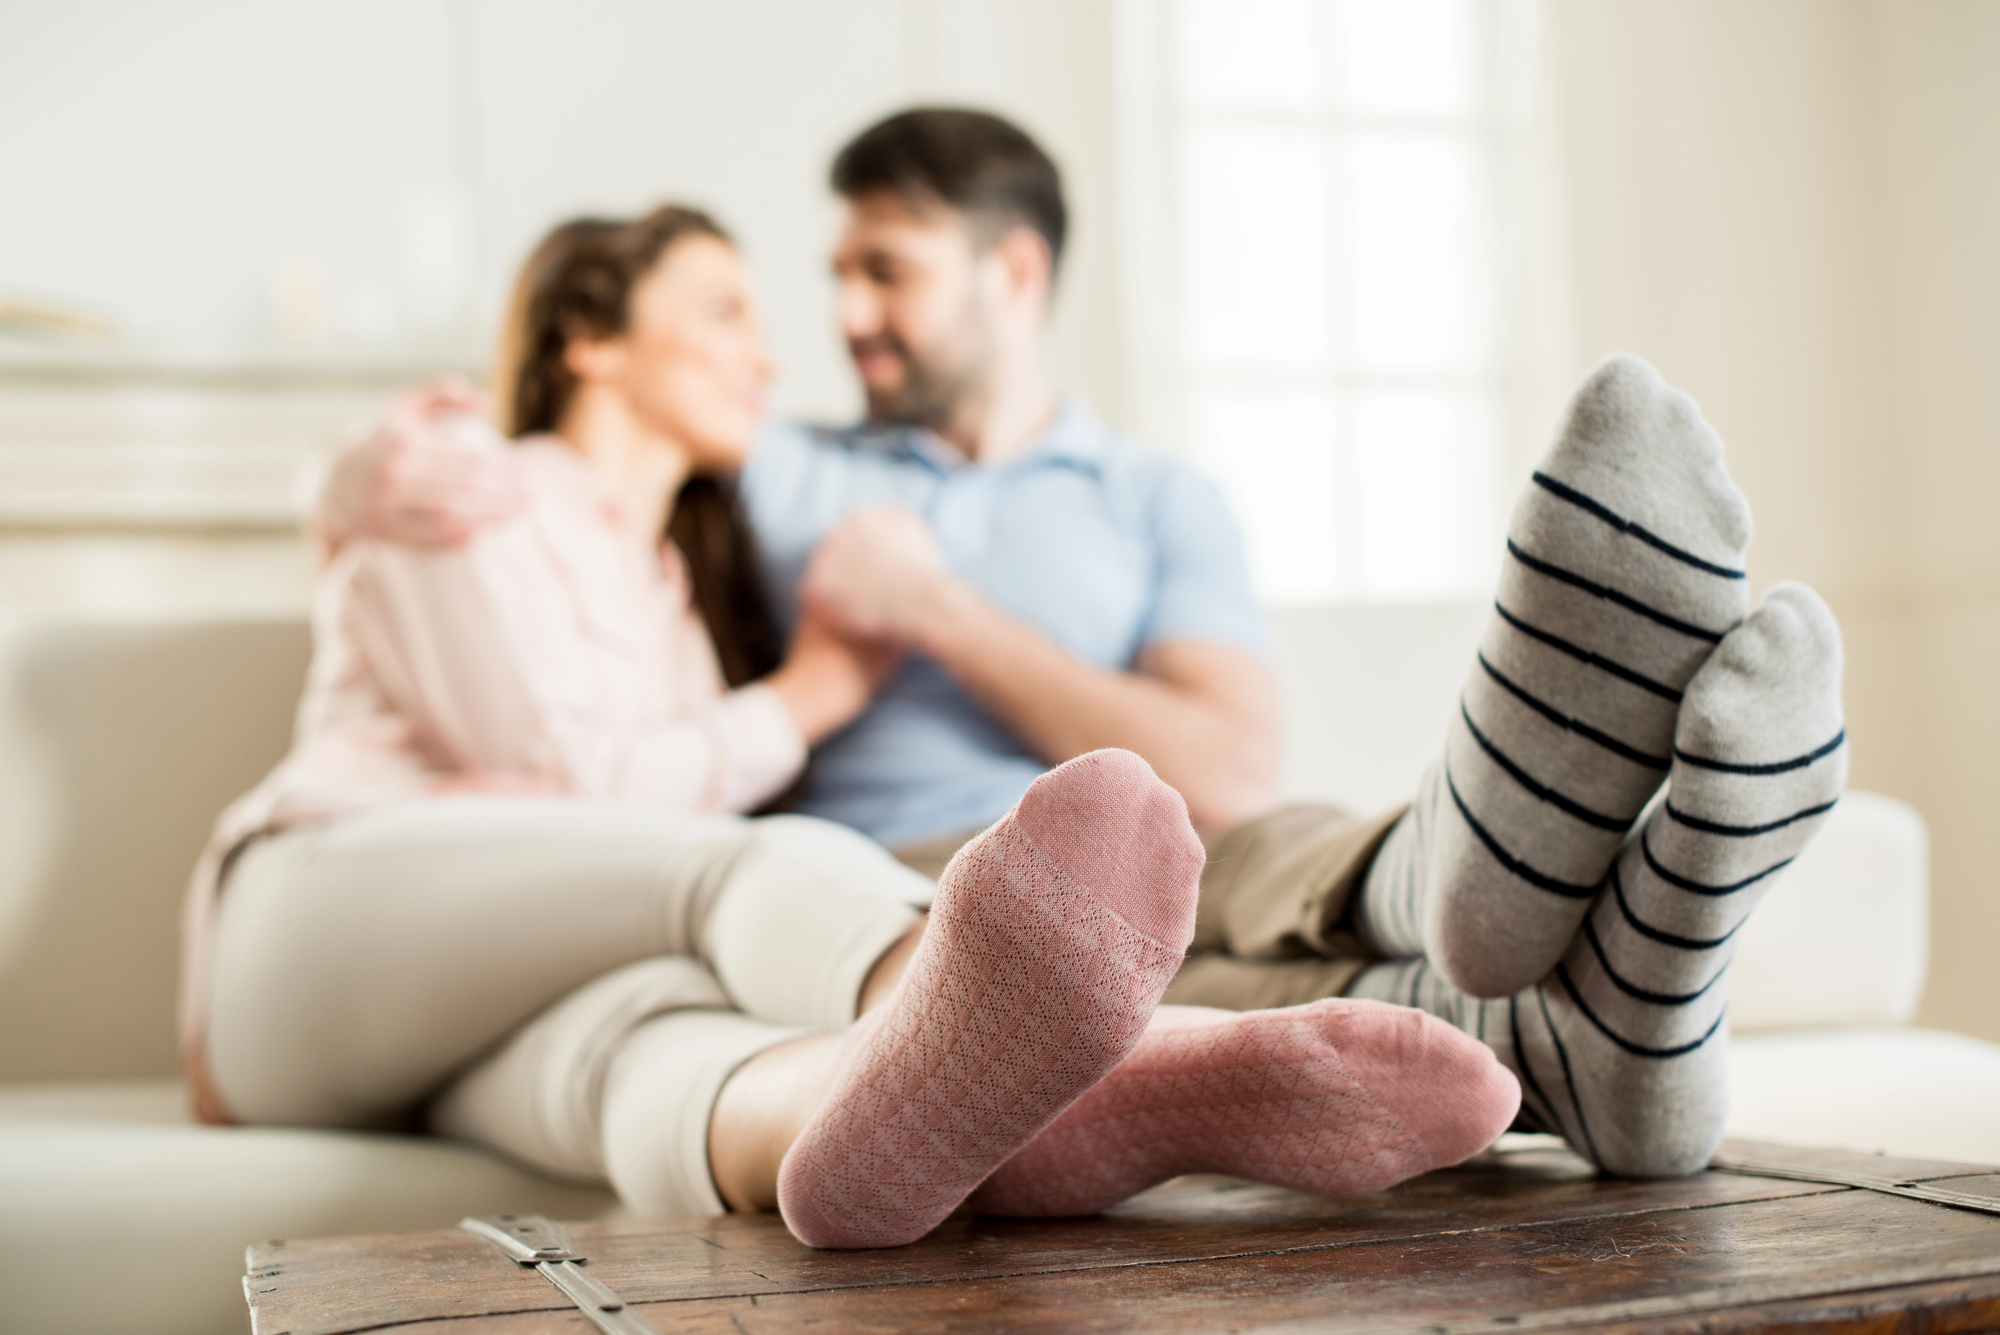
(1518, 900)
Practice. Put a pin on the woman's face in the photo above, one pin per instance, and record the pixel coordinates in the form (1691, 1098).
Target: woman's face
(695, 363)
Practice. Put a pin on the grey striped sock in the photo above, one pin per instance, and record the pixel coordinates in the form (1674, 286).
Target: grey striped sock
(1621, 1048)
(1624, 570)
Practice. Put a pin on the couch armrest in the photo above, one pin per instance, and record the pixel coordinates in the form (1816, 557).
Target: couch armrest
(1842, 936)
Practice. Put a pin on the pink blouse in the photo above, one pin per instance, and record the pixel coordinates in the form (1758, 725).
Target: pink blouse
(549, 652)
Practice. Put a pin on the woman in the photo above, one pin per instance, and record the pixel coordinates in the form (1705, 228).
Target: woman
(499, 878)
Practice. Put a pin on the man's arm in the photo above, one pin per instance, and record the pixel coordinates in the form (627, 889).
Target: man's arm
(1203, 714)
(429, 472)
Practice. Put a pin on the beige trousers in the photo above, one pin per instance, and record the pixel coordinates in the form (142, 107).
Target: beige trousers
(549, 975)
(1274, 894)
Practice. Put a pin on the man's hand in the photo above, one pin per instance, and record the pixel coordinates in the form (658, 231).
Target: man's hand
(876, 576)
(1204, 715)
(828, 678)
(431, 474)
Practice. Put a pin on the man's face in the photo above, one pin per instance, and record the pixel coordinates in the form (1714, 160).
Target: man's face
(916, 307)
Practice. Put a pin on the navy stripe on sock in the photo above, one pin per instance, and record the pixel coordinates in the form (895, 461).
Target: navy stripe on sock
(1636, 1049)
(1633, 990)
(1568, 724)
(1583, 655)
(1539, 880)
(1696, 887)
(1596, 590)
(1534, 1086)
(1775, 767)
(1626, 526)
(1541, 791)
(1746, 831)
(1653, 933)
(1569, 1078)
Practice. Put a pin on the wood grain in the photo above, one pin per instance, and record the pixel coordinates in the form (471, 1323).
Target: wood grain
(1521, 1242)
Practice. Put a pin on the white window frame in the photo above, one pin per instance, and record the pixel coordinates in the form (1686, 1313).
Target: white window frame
(1173, 380)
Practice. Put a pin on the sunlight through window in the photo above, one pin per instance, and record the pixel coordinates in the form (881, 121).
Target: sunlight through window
(1255, 257)
(1315, 224)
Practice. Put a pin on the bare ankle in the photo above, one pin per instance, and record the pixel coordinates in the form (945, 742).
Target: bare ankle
(888, 970)
(759, 1113)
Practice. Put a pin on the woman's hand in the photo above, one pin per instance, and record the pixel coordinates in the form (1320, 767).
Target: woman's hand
(431, 473)
(827, 679)
(879, 574)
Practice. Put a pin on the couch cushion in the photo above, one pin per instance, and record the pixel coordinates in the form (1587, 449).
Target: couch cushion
(117, 1214)
(1917, 1092)
(119, 744)
(1842, 936)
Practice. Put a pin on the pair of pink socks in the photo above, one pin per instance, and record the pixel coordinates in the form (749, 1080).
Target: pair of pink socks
(1024, 1062)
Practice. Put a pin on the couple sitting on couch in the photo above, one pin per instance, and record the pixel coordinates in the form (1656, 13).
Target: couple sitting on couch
(503, 883)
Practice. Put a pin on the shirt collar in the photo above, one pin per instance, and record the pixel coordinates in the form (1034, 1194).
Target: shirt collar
(1076, 439)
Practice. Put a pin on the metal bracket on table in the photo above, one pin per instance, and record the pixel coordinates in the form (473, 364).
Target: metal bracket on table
(546, 1245)
(1915, 1190)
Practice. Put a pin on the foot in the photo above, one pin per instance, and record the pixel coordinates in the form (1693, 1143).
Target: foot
(1621, 1049)
(1624, 572)
(1051, 938)
(1338, 1098)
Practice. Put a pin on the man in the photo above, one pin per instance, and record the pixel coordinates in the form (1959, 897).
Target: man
(1058, 591)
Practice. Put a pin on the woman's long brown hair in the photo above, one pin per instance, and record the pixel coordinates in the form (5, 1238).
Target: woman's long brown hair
(578, 283)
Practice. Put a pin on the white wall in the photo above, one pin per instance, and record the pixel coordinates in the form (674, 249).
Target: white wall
(350, 186)
(181, 165)
(1791, 206)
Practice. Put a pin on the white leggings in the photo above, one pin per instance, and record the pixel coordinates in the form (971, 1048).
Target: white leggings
(571, 982)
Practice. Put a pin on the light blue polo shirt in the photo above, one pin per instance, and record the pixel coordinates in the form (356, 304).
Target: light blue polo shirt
(1103, 546)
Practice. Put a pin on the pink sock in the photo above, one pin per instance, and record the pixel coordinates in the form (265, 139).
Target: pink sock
(1051, 939)
(1339, 1098)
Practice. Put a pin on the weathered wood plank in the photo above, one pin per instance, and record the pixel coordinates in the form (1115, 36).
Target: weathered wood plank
(1660, 1271)
(1957, 1307)
(1949, 1307)
(1851, 1161)
(1272, 1252)
(333, 1285)
(312, 1289)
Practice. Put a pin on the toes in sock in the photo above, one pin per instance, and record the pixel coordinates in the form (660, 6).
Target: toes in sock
(1051, 938)
(1621, 1050)
(1623, 572)
(1338, 1098)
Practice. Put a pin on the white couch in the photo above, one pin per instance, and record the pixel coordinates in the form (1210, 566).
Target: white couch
(120, 741)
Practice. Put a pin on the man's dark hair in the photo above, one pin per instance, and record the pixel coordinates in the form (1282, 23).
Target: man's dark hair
(985, 167)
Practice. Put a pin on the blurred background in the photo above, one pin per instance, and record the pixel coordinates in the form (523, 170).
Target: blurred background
(1346, 255)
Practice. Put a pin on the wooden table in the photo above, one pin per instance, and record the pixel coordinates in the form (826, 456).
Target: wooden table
(1527, 1240)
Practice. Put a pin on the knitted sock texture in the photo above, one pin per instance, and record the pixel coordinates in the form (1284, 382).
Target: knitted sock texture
(1051, 939)
(1338, 1098)
(1621, 1049)
(1623, 573)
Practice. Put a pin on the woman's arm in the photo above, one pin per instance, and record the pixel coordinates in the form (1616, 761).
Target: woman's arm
(506, 666)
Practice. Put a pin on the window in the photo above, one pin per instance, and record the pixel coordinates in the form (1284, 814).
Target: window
(1312, 203)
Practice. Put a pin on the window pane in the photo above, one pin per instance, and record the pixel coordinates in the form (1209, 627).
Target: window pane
(1247, 53)
(1405, 57)
(1274, 458)
(1426, 469)
(1255, 247)
(1416, 273)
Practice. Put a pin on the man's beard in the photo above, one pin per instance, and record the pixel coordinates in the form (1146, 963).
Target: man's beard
(930, 392)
